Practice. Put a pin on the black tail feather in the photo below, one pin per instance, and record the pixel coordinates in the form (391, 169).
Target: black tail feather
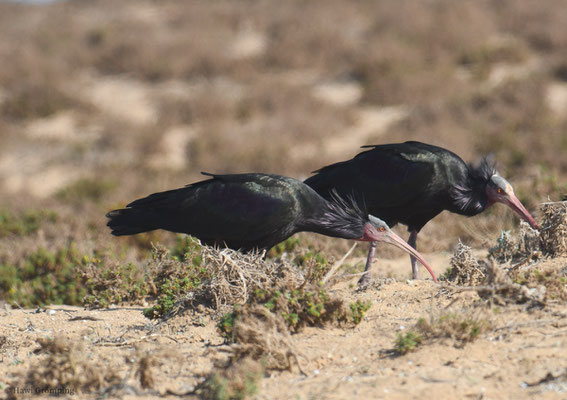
(127, 221)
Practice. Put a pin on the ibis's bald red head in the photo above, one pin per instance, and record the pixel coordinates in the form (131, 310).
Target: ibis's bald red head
(376, 230)
(498, 190)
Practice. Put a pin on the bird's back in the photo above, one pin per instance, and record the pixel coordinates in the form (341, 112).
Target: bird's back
(403, 182)
(241, 210)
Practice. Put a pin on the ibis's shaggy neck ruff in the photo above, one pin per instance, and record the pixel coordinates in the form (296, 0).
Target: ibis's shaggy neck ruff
(469, 194)
(338, 217)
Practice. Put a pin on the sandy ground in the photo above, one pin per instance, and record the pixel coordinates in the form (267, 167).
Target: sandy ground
(522, 355)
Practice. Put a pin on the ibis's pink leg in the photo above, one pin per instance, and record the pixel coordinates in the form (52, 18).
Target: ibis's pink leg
(366, 276)
(412, 241)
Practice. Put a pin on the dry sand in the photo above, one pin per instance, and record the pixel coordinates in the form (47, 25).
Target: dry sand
(522, 355)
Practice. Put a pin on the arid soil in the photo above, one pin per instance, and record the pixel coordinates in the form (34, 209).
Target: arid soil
(521, 355)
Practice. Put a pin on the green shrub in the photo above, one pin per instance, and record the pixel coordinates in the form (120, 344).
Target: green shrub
(408, 342)
(311, 306)
(358, 310)
(86, 189)
(287, 246)
(175, 278)
(25, 223)
(45, 277)
(111, 283)
(236, 381)
(461, 328)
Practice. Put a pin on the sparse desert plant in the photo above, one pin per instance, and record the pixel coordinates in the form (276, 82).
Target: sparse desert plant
(407, 342)
(24, 223)
(358, 310)
(66, 370)
(554, 236)
(226, 324)
(465, 269)
(543, 284)
(510, 273)
(460, 327)
(65, 275)
(257, 333)
(186, 246)
(287, 246)
(86, 189)
(44, 277)
(215, 277)
(307, 306)
(311, 306)
(175, 278)
(108, 282)
(316, 265)
(235, 381)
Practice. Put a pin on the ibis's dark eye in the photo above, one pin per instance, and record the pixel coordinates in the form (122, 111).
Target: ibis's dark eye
(500, 191)
(381, 229)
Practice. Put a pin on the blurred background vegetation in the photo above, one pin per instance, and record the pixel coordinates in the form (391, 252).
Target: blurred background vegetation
(104, 101)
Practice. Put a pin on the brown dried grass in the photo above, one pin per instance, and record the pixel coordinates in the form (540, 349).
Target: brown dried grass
(234, 278)
(235, 380)
(460, 326)
(263, 336)
(465, 268)
(512, 273)
(65, 367)
(554, 228)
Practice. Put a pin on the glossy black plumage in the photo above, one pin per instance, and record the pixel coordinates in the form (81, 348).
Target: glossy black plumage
(408, 183)
(241, 211)
(412, 182)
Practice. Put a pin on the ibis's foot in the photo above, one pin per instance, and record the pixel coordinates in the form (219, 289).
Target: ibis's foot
(414, 270)
(364, 279)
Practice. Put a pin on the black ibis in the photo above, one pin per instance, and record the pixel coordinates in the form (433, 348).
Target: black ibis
(411, 183)
(252, 211)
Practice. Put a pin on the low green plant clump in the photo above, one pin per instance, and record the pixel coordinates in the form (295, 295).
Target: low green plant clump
(111, 283)
(554, 280)
(311, 306)
(358, 310)
(186, 247)
(45, 277)
(287, 246)
(175, 278)
(236, 381)
(407, 342)
(461, 328)
(25, 223)
(67, 276)
(301, 254)
(86, 189)
(226, 324)
(315, 264)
